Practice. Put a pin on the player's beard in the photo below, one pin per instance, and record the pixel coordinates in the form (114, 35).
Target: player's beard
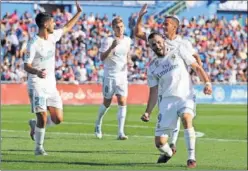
(160, 52)
(50, 31)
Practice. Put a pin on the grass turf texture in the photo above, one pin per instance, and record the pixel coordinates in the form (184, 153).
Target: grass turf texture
(72, 145)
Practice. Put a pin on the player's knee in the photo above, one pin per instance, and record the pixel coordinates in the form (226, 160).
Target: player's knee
(159, 142)
(121, 100)
(57, 120)
(41, 119)
(187, 121)
(107, 102)
(122, 103)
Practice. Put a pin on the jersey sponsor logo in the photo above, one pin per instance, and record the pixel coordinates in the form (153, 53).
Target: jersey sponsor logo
(49, 55)
(166, 70)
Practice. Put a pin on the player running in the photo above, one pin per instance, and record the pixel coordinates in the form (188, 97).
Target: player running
(40, 65)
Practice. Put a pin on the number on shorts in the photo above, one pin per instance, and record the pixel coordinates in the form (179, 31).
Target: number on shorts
(39, 101)
(106, 89)
(159, 118)
(159, 99)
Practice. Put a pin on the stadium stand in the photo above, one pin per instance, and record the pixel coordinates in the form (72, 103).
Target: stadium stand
(221, 44)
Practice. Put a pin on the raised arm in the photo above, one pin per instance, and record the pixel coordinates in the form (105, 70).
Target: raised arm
(191, 61)
(138, 27)
(68, 26)
(198, 59)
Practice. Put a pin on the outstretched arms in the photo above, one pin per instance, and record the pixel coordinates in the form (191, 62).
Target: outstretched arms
(138, 28)
(68, 26)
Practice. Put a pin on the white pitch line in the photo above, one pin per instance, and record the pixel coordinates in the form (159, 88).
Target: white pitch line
(137, 136)
(83, 123)
(198, 134)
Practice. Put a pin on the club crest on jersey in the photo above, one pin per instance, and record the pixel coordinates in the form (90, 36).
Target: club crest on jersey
(173, 56)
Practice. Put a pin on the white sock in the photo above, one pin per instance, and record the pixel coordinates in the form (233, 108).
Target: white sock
(166, 150)
(121, 119)
(101, 112)
(175, 133)
(39, 137)
(49, 122)
(189, 135)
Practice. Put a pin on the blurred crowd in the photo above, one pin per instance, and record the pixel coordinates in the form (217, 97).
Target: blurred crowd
(221, 44)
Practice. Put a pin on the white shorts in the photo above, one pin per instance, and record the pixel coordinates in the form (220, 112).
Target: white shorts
(113, 86)
(170, 109)
(40, 99)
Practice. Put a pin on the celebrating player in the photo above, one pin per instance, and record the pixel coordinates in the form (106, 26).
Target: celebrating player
(170, 83)
(40, 65)
(171, 25)
(114, 54)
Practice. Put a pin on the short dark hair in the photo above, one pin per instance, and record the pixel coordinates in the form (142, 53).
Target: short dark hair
(41, 18)
(116, 21)
(176, 20)
(152, 35)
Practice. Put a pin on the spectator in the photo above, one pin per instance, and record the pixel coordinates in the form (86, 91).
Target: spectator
(221, 44)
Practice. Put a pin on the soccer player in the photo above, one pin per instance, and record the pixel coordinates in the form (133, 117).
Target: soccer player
(170, 83)
(171, 25)
(40, 65)
(114, 54)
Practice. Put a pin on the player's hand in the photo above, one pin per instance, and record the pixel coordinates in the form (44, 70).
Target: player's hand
(143, 10)
(208, 89)
(79, 9)
(42, 73)
(114, 44)
(145, 117)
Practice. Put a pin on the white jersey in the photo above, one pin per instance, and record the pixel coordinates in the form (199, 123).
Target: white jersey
(41, 54)
(171, 75)
(180, 41)
(176, 42)
(115, 65)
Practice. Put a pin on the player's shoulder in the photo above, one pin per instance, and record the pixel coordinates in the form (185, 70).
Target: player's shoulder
(33, 40)
(127, 38)
(108, 39)
(185, 41)
(153, 63)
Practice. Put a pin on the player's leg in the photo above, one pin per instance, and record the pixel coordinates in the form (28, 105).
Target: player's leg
(108, 91)
(40, 133)
(55, 108)
(31, 122)
(38, 106)
(166, 123)
(163, 146)
(101, 112)
(121, 116)
(174, 136)
(187, 114)
(38, 103)
(56, 116)
(121, 94)
(56, 102)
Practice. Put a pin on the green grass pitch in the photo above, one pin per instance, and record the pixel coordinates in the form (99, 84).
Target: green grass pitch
(72, 145)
